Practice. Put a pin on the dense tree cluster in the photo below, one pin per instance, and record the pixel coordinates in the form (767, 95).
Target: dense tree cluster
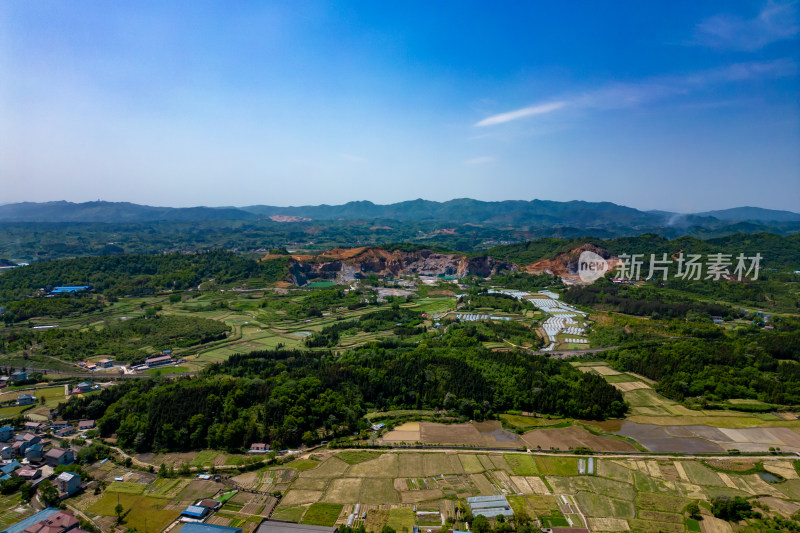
(51, 306)
(731, 509)
(643, 301)
(121, 275)
(130, 340)
(745, 364)
(285, 397)
(501, 302)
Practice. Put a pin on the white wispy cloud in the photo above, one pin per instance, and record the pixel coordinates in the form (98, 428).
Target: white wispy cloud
(775, 22)
(538, 109)
(479, 160)
(628, 95)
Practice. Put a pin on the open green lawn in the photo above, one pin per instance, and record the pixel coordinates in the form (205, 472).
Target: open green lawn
(322, 514)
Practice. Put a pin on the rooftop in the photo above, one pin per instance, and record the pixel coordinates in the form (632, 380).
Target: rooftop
(199, 527)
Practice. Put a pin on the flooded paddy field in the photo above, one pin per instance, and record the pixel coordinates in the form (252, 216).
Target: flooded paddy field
(706, 439)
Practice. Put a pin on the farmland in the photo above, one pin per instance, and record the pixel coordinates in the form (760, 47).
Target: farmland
(623, 494)
(377, 376)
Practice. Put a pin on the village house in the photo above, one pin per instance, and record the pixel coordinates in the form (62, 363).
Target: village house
(51, 521)
(258, 447)
(68, 483)
(105, 363)
(9, 468)
(55, 425)
(34, 453)
(25, 399)
(83, 425)
(6, 433)
(19, 376)
(158, 361)
(83, 386)
(36, 427)
(63, 432)
(28, 474)
(58, 456)
(7, 453)
(23, 441)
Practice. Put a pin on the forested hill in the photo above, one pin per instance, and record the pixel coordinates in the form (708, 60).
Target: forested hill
(141, 274)
(287, 397)
(776, 251)
(122, 275)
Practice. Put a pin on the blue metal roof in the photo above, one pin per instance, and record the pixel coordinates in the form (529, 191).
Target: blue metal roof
(199, 527)
(69, 288)
(195, 511)
(10, 467)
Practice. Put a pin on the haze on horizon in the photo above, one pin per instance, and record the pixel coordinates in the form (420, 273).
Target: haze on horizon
(682, 106)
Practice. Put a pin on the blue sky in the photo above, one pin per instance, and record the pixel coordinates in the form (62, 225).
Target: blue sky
(683, 106)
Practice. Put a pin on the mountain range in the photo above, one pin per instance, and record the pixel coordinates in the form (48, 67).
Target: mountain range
(513, 213)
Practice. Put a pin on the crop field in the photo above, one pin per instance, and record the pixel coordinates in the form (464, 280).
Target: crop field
(142, 511)
(522, 465)
(636, 495)
(322, 514)
(126, 487)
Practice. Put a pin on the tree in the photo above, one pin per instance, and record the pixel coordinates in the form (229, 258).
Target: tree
(730, 509)
(119, 509)
(26, 492)
(481, 524)
(48, 493)
(388, 529)
(522, 518)
(693, 509)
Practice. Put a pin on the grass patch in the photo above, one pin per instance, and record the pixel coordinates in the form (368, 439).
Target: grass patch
(204, 458)
(322, 514)
(126, 487)
(603, 506)
(557, 466)
(142, 508)
(692, 525)
(531, 422)
(303, 464)
(169, 370)
(290, 514)
(554, 520)
(521, 465)
(355, 457)
(401, 520)
(471, 463)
